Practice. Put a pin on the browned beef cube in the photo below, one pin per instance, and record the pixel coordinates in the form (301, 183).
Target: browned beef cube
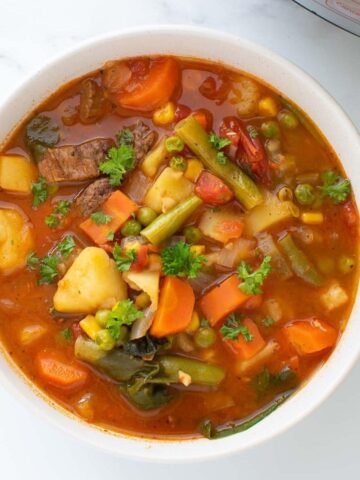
(93, 196)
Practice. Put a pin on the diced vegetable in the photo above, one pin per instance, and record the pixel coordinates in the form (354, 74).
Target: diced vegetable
(192, 234)
(170, 222)
(92, 282)
(222, 224)
(90, 326)
(196, 138)
(119, 207)
(334, 297)
(273, 309)
(300, 264)
(244, 366)
(131, 228)
(346, 264)
(40, 133)
(279, 265)
(175, 309)
(142, 301)
(312, 218)
(59, 372)
(288, 119)
(16, 240)
(247, 348)
(270, 129)
(222, 299)
(105, 340)
(268, 107)
(310, 336)
(244, 94)
(305, 194)
(178, 163)
(169, 184)
(201, 373)
(174, 144)
(205, 337)
(193, 169)
(212, 190)
(234, 252)
(194, 324)
(146, 215)
(31, 333)
(17, 174)
(146, 281)
(269, 213)
(154, 159)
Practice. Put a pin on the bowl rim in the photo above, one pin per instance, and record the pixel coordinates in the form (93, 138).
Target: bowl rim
(302, 403)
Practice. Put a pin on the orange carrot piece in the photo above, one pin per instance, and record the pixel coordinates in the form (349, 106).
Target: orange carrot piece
(247, 349)
(119, 207)
(253, 302)
(59, 373)
(310, 336)
(155, 90)
(175, 309)
(222, 300)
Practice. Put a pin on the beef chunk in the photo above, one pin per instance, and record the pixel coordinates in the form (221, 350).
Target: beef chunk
(74, 162)
(93, 196)
(144, 139)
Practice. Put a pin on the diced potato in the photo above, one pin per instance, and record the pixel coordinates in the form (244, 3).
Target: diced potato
(90, 326)
(193, 169)
(31, 333)
(16, 173)
(271, 211)
(154, 159)
(92, 282)
(334, 297)
(245, 95)
(16, 240)
(148, 282)
(170, 184)
(222, 224)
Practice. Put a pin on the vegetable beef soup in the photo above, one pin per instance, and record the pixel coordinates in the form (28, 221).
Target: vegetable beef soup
(178, 248)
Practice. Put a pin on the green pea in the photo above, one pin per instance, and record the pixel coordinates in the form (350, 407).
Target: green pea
(346, 264)
(270, 129)
(205, 337)
(174, 144)
(104, 339)
(131, 228)
(178, 163)
(305, 194)
(146, 215)
(101, 316)
(124, 336)
(288, 119)
(143, 300)
(192, 234)
(326, 265)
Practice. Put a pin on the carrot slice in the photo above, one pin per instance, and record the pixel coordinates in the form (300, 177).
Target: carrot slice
(119, 207)
(222, 300)
(155, 90)
(247, 349)
(58, 372)
(175, 309)
(310, 336)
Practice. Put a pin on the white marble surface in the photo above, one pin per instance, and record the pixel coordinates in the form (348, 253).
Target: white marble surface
(326, 444)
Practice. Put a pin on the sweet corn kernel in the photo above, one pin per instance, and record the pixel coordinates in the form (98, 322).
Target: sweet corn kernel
(312, 218)
(268, 107)
(197, 249)
(165, 114)
(193, 169)
(194, 324)
(90, 326)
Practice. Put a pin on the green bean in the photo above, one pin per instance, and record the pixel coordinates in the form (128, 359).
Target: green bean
(300, 264)
(201, 373)
(174, 144)
(196, 138)
(171, 221)
(178, 163)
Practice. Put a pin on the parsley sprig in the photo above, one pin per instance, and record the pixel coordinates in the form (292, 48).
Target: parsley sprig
(124, 313)
(40, 192)
(219, 144)
(233, 328)
(62, 208)
(123, 261)
(100, 218)
(179, 260)
(252, 281)
(335, 187)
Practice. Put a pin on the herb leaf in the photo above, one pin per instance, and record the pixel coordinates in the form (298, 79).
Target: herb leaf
(48, 269)
(179, 260)
(219, 143)
(32, 261)
(119, 160)
(40, 192)
(125, 137)
(335, 187)
(62, 207)
(66, 246)
(233, 328)
(252, 281)
(100, 218)
(52, 220)
(124, 313)
(123, 263)
(67, 333)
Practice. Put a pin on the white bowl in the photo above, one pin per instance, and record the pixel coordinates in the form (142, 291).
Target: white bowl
(288, 79)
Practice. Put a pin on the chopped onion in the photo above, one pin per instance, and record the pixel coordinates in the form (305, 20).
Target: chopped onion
(136, 186)
(202, 281)
(235, 251)
(267, 246)
(142, 325)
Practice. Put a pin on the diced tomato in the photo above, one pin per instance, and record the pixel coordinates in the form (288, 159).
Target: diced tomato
(142, 259)
(230, 229)
(212, 190)
(181, 112)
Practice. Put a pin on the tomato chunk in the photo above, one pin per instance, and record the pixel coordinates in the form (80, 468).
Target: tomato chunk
(212, 190)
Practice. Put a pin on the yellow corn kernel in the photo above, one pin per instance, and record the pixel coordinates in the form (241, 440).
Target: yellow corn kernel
(193, 169)
(90, 326)
(312, 218)
(194, 324)
(268, 107)
(197, 249)
(165, 114)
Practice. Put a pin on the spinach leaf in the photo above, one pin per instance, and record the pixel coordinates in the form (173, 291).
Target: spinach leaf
(40, 133)
(144, 347)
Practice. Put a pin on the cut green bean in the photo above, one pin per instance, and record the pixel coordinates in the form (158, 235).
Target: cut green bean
(196, 138)
(201, 373)
(300, 264)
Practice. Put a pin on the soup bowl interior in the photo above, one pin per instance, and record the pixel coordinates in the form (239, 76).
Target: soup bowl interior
(286, 78)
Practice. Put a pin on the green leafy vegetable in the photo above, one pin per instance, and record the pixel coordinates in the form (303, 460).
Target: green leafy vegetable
(119, 160)
(66, 246)
(179, 260)
(110, 236)
(125, 137)
(61, 209)
(123, 262)
(67, 334)
(233, 328)
(52, 220)
(252, 281)
(335, 187)
(219, 143)
(124, 313)
(40, 133)
(264, 380)
(32, 261)
(48, 269)
(100, 218)
(40, 192)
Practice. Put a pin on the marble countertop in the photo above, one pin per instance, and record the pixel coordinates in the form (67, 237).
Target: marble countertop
(325, 444)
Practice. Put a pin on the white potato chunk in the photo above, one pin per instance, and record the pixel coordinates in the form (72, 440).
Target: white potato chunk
(92, 282)
(17, 173)
(16, 240)
(334, 297)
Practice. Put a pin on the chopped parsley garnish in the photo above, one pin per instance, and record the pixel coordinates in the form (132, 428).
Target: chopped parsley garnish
(252, 132)
(40, 192)
(119, 160)
(252, 281)
(124, 313)
(335, 187)
(66, 246)
(52, 220)
(219, 143)
(67, 334)
(267, 321)
(233, 328)
(32, 261)
(110, 236)
(61, 209)
(179, 260)
(123, 262)
(48, 269)
(100, 218)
